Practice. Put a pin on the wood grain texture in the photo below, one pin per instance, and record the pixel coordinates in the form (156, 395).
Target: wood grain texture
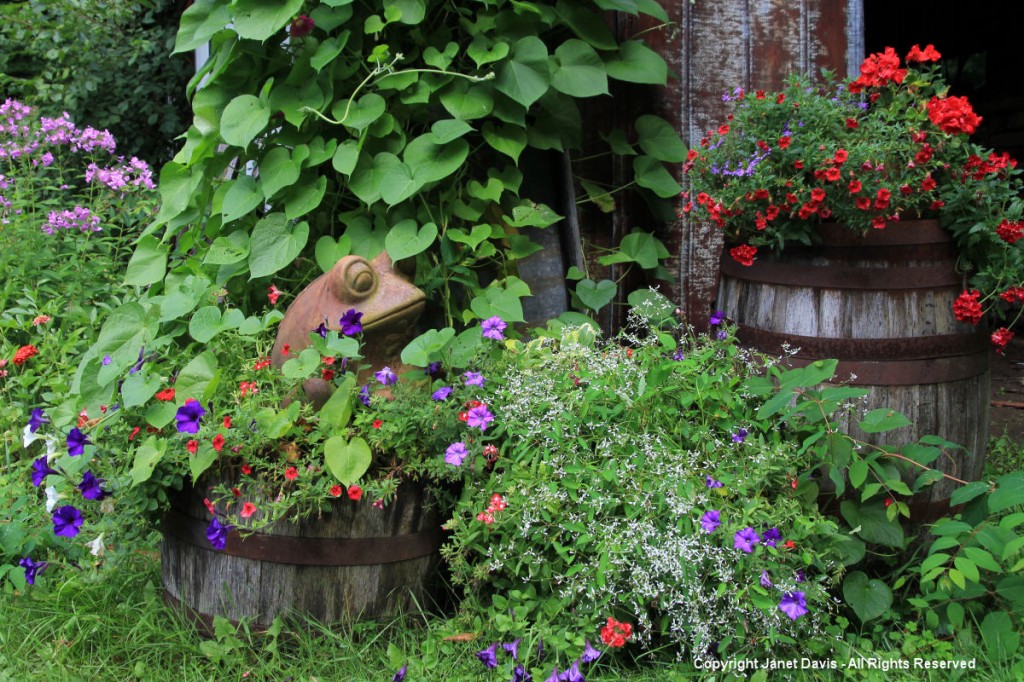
(925, 363)
(210, 582)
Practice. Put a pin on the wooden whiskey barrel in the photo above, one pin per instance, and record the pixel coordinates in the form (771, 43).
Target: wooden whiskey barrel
(882, 304)
(354, 561)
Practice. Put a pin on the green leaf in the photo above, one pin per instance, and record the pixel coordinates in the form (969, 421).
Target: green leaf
(347, 460)
(431, 161)
(869, 598)
(160, 415)
(602, 198)
(427, 347)
(147, 456)
(243, 119)
(530, 214)
(327, 51)
(466, 101)
(359, 115)
(882, 419)
(968, 492)
(346, 157)
(177, 182)
(199, 23)
(367, 179)
(276, 423)
(1009, 492)
(968, 568)
(463, 348)
(201, 461)
(303, 197)
(874, 525)
(337, 411)
(482, 53)
(148, 263)
(302, 366)
(273, 245)
(442, 132)
(138, 388)
(637, 63)
(858, 473)
(982, 558)
(242, 198)
(586, 24)
(508, 139)
(641, 248)
(197, 377)
(580, 71)
(205, 323)
(659, 139)
(1000, 636)
(498, 301)
(260, 19)
(526, 76)
(229, 249)
(596, 295)
(652, 174)
(277, 171)
(328, 252)
(404, 239)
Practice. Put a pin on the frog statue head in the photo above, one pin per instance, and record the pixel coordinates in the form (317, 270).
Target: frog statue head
(390, 305)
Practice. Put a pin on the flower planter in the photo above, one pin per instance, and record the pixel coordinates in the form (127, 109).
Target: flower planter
(882, 305)
(354, 561)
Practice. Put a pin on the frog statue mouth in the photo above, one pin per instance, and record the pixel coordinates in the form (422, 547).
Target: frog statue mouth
(390, 330)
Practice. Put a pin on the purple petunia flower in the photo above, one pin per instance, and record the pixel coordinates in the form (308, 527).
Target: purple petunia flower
(455, 454)
(765, 580)
(717, 318)
(92, 487)
(350, 322)
(188, 416)
(400, 675)
(712, 483)
(77, 442)
(479, 418)
(554, 676)
(513, 648)
(590, 654)
(746, 539)
(40, 471)
(520, 674)
(711, 520)
(217, 533)
(771, 537)
(793, 604)
(36, 419)
(386, 376)
(67, 521)
(441, 393)
(473, 379)
(32, 569)
(573, 674)
(433, 370)
(739, 436)
(489, 656)
(800, 575)
(322, 330)
(493, 328)
(364, 395)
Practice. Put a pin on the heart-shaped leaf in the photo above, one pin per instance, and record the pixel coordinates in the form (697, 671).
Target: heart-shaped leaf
(596, 295)
(869, 598)
(244, 118)
(347, 460)
(404, 239)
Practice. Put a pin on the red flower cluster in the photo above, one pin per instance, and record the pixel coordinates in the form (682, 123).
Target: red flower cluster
(261, 364)
(977, 168)
(1013, 295)
(1000, 338)
(928, 54)
(497, 504)
(879, 69)
(1010, 232)
(967, 308)
(744, 255)
(953, 115)
(616, 634)
(24, 353)
(246, 387)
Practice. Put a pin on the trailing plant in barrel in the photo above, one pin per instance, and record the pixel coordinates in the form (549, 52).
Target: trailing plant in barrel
(892, 144)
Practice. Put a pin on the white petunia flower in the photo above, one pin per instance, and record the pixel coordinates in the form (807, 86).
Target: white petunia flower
(51, 498)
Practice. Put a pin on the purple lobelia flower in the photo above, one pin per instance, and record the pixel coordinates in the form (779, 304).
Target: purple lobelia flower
(67, 521)
(739, 436)
(364, 395)
(32, 569)
(351, 322)
(92, 487)
(520, 674)
(77, 442)
(489, 656)
(455, 454)
(512, 648)
(711, 520)
(441, 393)
(746, 539)
(40, 471)
(479, 418)
(189, 415)
(386, 376)
(400, 675)
(36, 419)
(793, 604)
(217, 533)
(493, 328)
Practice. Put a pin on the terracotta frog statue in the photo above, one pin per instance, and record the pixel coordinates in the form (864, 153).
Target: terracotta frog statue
(390, 305)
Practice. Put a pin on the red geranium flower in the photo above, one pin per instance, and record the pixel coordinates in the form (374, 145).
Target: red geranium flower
(967, 308)
(929, 54)
(1010, 232)
(744, 255)
(24, 353)
(616, 634)
(1000, 338)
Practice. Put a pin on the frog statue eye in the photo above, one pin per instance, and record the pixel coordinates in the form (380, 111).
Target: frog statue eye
(357, 281)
